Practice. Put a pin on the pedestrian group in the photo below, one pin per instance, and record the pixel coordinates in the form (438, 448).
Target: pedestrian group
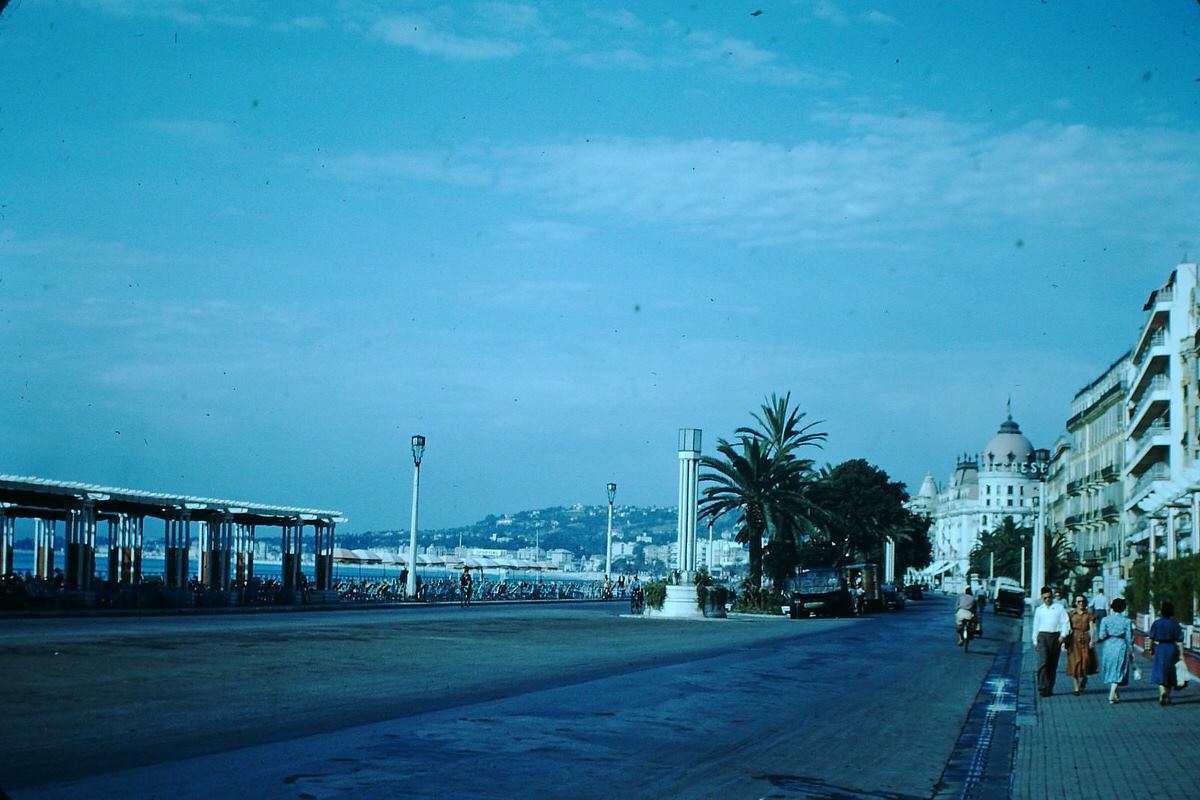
(1088, 626)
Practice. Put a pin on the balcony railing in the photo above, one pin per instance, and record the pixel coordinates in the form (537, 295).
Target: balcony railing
(1157, 339)
(1158, 472)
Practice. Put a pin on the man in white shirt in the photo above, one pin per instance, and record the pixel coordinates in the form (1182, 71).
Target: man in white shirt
(1098, 606)
(1050, 627)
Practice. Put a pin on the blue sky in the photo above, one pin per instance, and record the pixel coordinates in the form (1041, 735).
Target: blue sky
(248, 249)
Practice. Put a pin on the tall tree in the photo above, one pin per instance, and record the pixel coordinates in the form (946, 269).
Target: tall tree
(1005, 545)
(760, 477)
(863, 508)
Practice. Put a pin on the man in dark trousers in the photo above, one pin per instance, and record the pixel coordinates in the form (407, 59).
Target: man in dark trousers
(1050, 627)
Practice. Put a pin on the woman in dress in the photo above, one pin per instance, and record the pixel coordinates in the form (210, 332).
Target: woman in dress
(1079, 643)
(1115, 634)
(1165, 634)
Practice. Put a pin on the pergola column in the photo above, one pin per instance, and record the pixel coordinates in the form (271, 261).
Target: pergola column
(8, 533)
(291, 554)
(323, 555)
(43, 547)
(81, 547)
(178, 544)
(220, 543)
(243, 545)
(131, 556)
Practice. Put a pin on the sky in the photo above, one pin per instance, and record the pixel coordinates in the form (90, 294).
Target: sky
(248, 249)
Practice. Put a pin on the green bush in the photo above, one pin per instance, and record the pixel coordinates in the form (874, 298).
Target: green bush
(1176, 580)
(755, 600)
(656, 594)
(1137, 590)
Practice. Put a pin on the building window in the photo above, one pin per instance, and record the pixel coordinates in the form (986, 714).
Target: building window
(1010, 500)
(1010, 492)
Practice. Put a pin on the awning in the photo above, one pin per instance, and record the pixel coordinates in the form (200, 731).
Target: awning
(937, 568)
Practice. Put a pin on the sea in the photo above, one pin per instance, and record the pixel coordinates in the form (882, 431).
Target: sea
(151, 566)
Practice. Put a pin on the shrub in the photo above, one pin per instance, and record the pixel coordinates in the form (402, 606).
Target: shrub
(656, 594)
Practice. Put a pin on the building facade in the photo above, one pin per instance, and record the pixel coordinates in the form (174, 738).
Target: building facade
(1000, 482)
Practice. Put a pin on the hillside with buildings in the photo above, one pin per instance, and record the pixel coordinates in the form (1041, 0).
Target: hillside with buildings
(573, 538)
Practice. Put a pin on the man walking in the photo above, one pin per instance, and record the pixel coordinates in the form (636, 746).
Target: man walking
(1098, 606)
(1050, 627)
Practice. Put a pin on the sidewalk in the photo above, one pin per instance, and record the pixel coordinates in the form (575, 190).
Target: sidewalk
(1083, 747)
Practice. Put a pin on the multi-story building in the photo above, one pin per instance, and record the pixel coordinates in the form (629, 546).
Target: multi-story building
(1162, 447)
(1093, 497)
(982, 491)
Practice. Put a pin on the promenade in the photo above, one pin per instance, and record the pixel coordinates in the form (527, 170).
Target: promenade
(1083, 747)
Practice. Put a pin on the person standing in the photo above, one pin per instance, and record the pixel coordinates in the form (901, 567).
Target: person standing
(465, 586)
(1115, 634)
(1165, 635)
(1079, 643)
(1060, 599)
(1098, 606)
(1050, 626)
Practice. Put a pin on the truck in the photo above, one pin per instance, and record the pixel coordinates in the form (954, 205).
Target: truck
(863, 580)
(820, 592)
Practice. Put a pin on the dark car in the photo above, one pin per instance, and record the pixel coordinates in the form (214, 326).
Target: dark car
(913, 592)
(892, 596)
(821, 592)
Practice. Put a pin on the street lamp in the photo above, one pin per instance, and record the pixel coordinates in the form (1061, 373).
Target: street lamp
(612, 492)
(1038, 467)
(418, 450)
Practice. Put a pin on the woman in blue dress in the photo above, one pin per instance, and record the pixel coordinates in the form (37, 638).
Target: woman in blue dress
(1166, 634)
(1115, 634)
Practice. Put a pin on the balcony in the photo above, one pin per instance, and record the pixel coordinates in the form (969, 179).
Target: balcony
(1110, 512)
(1151, 448)
(1109, 474)
(1157, 338)
(1157, 472)
(1152, 403)
(1092, 556)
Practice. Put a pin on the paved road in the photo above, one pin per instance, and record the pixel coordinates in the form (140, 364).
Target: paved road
(497, 702)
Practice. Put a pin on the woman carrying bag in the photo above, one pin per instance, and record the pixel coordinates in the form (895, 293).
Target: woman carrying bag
(1164, 638)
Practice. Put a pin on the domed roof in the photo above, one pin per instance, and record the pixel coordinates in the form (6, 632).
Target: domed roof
(1008, 446)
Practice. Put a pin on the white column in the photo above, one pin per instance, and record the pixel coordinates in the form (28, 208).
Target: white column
(689, 463)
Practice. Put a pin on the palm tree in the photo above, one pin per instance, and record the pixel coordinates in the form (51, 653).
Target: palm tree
(759, 477)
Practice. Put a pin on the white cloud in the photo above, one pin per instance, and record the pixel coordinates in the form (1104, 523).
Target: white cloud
(77, 250)
(867, 177)
(879, 18)
(418, 33)
(182, 12)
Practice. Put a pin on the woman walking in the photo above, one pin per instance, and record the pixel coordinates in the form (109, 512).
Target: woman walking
(1164, 637)
(1080, 643)
(1115, 634)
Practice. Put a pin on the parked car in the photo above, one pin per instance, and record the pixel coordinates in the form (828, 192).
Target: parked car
(892, 596)
(821, 592)
(913, 591)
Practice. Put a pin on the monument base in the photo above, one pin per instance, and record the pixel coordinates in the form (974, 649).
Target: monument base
(680, 602)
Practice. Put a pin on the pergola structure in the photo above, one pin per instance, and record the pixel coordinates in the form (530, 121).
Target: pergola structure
(226, 531)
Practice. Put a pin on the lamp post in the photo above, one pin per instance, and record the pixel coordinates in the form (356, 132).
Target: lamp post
(418, 450)
(612, 493)
(1039, 466)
